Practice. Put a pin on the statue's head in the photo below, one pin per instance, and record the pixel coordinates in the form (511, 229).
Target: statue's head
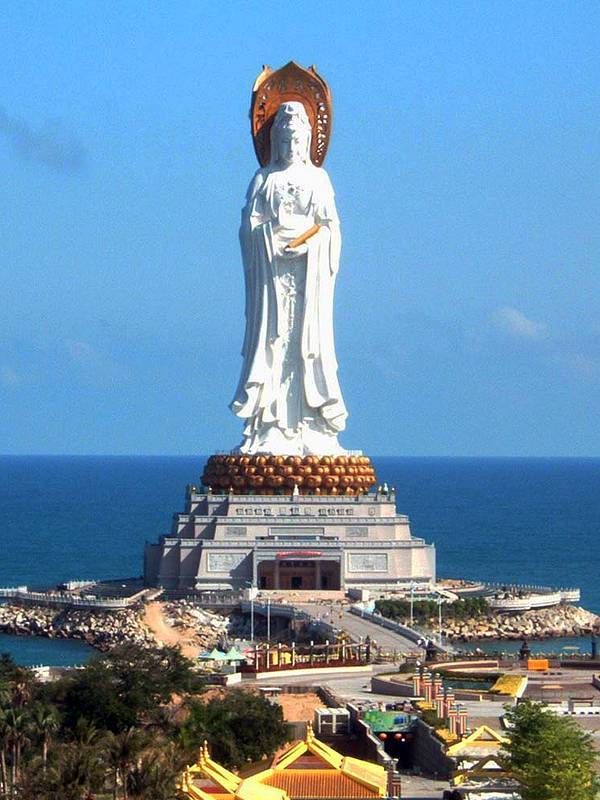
(290, 135)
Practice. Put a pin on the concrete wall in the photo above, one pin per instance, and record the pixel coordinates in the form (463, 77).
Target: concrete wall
(152, 557)
(428, 752)
(394, 689)
(371, 747)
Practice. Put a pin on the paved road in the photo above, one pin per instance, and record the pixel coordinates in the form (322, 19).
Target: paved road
(337, 615)
(416, 788)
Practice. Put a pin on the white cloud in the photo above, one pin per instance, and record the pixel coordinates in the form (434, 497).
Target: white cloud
(515, 323)
(93, 363)
(9, 377)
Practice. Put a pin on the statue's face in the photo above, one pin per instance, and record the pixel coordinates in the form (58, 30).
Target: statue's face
(292, 147)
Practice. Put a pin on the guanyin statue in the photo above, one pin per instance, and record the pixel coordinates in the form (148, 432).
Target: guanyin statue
(288, 393)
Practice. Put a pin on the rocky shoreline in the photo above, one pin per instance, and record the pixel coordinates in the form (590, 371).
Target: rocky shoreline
(545, 623)
(104, 630)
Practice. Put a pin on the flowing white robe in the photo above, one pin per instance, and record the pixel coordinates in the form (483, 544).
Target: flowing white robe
(288, 391)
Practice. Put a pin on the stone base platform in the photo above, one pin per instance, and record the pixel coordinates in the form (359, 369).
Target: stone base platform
(289, 543)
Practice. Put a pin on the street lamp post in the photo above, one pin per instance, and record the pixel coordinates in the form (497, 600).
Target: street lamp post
(412, 602)
(268, 619)
(252, 587)
(440, 601)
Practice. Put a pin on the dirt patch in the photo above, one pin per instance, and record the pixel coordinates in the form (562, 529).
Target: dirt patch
(184, 638)
(299, 707)
(296, 707)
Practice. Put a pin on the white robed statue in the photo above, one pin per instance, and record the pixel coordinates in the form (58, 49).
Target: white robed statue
(289, 394)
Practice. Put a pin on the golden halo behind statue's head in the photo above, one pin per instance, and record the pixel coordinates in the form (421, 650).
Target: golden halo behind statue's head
(292, 82)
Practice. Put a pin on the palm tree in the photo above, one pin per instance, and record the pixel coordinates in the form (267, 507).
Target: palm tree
(4, 747)
(18, 724)
(123, 751)
(152, 778)
(44, 720)
(21, 690)
(75, 773)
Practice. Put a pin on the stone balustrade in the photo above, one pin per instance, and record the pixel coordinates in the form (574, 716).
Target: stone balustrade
(54, 599)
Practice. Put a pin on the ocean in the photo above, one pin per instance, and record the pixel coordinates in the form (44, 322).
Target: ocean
(523, 520)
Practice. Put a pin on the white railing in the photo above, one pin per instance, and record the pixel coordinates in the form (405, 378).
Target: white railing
(21, 594)
(570, 595)
(516, 597)
(414, 634)
(528, 587)
(525, 603)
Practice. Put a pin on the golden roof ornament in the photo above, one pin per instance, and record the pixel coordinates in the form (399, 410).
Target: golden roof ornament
(291, 83)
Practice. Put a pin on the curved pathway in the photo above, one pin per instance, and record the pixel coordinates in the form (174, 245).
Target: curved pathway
(338, 616)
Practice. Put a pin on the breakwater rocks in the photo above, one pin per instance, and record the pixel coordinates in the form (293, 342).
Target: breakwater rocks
(101, 629)
(186, 614)
(107, 629)
(542, 623)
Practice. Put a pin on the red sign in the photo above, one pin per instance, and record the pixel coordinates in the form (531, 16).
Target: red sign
(299, 554)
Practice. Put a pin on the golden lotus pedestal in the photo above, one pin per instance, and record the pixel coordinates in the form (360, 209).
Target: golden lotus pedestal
(305, 475)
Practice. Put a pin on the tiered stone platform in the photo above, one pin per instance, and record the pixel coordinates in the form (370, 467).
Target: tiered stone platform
(288, 541)
(271, 475)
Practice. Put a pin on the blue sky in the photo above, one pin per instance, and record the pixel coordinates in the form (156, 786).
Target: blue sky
(465, 158)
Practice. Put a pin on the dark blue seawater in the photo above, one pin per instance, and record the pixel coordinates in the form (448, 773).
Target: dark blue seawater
(503, 519)
(34, 651)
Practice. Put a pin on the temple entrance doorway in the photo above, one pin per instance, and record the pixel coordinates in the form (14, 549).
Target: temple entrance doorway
(298, 574)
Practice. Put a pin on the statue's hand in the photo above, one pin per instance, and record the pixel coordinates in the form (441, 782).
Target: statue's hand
(294, 252)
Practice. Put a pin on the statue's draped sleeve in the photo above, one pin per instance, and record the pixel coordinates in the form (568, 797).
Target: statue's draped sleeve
(256, 244)
(326, 214)
(318, 351)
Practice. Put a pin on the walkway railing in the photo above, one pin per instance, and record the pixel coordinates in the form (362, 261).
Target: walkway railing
(569, 594)
(55, 599)
(275, 609)
(523, 598)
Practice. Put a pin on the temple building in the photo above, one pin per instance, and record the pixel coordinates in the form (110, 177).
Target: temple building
(289, 542)
(307, 769)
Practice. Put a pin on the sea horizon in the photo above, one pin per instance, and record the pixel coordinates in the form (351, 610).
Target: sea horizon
(371, 455)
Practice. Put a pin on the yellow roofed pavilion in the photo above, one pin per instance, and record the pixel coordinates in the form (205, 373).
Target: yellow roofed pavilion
(307, 769)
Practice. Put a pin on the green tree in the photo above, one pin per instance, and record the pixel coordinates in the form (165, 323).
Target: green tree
(426, 611)
(118, 691)
(240, 727)
(551, 756)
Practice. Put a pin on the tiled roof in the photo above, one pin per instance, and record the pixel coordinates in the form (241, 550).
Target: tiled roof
(310, 761)
(319, 783)
(306, 769)
(483, 740)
